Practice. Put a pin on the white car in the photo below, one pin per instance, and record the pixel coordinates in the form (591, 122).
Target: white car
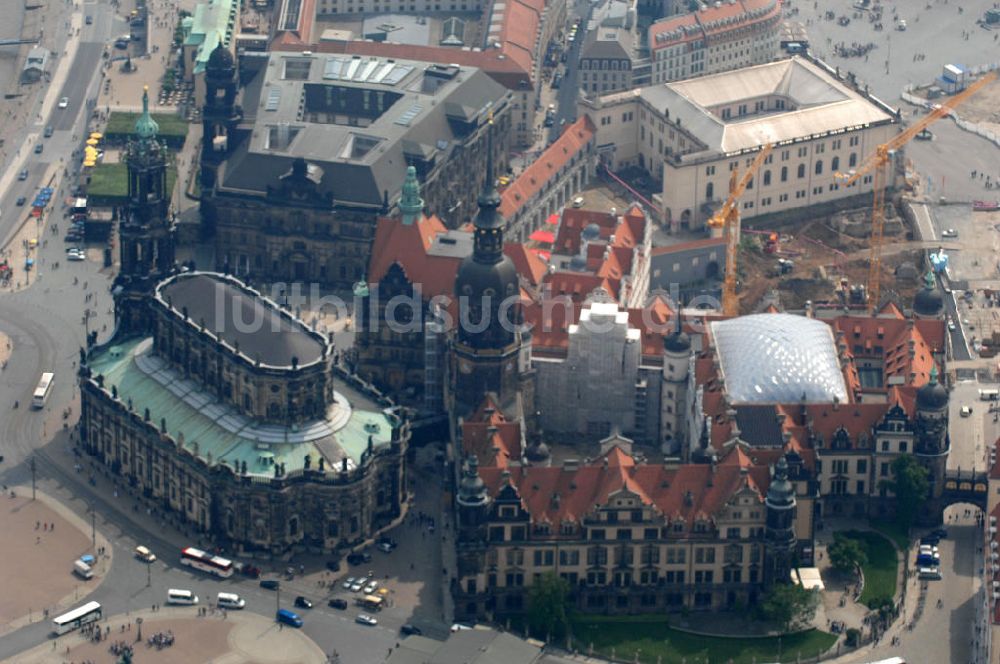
(64, 102)
(966, 411)
(348, 582)
(929, 550)
(365, 619)
(371, 588)
(951, 325)
(145, 555)
(357, 585)
(75, 256)
(951, 232)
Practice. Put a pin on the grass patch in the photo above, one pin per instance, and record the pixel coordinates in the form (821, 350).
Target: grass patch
(881, 568)
(653, 638)
(109, 183)
(894, 531)
(173, 128)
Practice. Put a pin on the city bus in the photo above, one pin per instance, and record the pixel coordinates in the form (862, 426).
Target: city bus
(88, 613)
(42, 391)
(206, 562)
(989, 394)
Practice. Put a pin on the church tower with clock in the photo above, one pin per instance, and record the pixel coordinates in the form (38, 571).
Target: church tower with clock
(491, 353)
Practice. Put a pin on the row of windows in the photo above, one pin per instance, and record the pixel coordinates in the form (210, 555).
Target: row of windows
(783, 177)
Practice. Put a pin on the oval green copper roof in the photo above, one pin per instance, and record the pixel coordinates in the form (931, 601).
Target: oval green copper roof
(146, 127)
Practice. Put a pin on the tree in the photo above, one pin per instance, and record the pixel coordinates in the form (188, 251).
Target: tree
(846, 554)
(910, 485)
(547, 597)
(789, 605)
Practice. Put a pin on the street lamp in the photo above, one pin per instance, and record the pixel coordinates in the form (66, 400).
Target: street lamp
(138, 631)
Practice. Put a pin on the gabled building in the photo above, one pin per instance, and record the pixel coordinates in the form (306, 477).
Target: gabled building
(627, 535)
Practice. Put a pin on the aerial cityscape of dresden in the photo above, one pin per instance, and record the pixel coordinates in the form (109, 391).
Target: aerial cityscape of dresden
(499, 331)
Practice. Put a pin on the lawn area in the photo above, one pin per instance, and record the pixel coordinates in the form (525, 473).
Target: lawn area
(173, 128)
(109, 183)
(653, 638)
(894, 531)
(880, 570)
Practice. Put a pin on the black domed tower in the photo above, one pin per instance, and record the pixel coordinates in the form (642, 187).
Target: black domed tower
(146, 228)
(928, 302)
(780, 531)
(488, 342)
(931, 441)
(220, 116)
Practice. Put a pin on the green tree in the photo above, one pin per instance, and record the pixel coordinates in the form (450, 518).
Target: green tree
(846, 554)
(910, 485)
(547, 598)
(789, 605)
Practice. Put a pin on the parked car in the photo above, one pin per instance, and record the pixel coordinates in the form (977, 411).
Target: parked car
(408, 630)
(951, 232)
(930, 539)
(929, 573)
(966, 411)
(333, 565)
(348, 582)
(941, 533)
(270, 584)
(357, 585)
(338, 603)
(384, 547)
(75, 256)
(365, 619)
(89, 20)
(371, 587)
(21, 200)
(303, 603)
(359, 558)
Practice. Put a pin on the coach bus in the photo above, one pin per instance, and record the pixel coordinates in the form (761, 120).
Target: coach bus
(88, 613)
(42, 391)
(206, 562)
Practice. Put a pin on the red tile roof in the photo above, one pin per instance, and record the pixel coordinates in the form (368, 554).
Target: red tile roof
(683, 495)
(571, 142)
(726, 18)
(519, 31)
(889, 340)
(407, 246)
(528, 264)
(491, 437)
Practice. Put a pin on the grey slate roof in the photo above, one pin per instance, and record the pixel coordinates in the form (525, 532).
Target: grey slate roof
(421, 117)
(237, 316)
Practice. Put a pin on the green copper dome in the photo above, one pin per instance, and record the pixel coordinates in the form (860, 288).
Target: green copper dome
(146, 127)
(411, 205)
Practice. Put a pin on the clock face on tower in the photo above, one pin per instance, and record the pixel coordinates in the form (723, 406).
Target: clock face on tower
(464, 366)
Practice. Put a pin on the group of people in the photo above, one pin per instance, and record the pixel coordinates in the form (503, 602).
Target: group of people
(160, 640)
(119, 648)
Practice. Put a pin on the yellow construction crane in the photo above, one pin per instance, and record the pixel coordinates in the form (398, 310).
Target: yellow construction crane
(877, 161)
(728, 219)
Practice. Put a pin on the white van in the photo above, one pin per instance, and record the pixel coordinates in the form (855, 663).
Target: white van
(930, 573)
(230, 601)
(83, 570)
(182, 597)
(144, 554)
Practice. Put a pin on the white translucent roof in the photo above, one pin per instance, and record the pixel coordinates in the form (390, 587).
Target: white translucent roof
(776, 358)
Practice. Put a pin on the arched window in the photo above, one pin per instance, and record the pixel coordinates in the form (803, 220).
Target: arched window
(802, 171)
(819, 167)
(709, 191)
(767, 178)
(784, 173)
(835, 164)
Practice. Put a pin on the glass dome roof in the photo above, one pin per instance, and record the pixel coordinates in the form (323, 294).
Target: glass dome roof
(776, 358)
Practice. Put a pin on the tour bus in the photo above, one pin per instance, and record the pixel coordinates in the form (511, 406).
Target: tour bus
(206, 562)
(83, 570)
(990, 394)
(371, 602)
(230, 601)
(183, 597)
(42, 391)
(88, 613)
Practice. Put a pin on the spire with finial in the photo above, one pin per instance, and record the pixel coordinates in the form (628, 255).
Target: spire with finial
(933, 378)
(929, 280)
(489, 199)
(146, 127)
(411, 205)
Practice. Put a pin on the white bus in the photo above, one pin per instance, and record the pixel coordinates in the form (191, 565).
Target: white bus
(989, 394)
(183, 597)
(206, 562)
(42, 391)
(88, 613)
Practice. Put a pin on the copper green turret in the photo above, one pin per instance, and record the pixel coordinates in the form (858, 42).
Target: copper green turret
(146, 127)
(410, 204)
